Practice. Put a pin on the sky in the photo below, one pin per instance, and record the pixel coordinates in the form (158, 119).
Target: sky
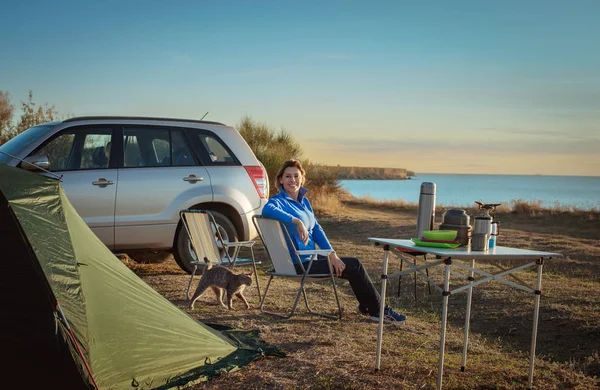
(507, 87)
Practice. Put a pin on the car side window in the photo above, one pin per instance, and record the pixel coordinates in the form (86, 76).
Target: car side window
(212, 149)
(155, 147)
(76, 150)
(161, 149)
(96, 151)
(182, 155)
(58, 151)
(216, 150)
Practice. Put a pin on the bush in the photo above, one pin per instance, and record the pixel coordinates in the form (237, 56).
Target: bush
(324, 186)
(272, 148)
(321, 179)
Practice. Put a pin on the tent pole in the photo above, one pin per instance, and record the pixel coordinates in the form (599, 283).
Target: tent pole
(57, 177)
(64, 319)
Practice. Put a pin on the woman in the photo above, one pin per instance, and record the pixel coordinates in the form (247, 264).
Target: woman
(291, 207)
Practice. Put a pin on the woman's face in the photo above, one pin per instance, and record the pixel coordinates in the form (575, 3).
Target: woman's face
(291, 180)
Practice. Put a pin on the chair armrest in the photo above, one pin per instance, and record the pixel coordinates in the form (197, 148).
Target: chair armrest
(240, 243)
(324, 252)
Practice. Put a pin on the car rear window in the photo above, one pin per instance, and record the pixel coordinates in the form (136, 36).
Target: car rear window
(211, 149)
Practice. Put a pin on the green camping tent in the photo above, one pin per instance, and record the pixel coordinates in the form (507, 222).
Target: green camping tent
(74, 316)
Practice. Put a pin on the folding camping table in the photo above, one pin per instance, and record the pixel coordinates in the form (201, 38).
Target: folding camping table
(457, 258)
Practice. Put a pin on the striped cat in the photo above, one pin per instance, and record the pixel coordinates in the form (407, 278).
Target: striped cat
(221, 279)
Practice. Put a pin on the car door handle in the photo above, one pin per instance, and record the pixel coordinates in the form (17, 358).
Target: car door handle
(102, 182)
(193, 178)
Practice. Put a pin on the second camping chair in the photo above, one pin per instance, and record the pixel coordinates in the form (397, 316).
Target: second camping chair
(206, 240)
(273, 235)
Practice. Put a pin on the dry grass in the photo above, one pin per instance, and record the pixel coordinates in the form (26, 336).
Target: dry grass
(397, 204)
(327, 354)
(326, 202)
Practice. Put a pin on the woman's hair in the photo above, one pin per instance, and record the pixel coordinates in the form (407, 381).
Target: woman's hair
(287, 164)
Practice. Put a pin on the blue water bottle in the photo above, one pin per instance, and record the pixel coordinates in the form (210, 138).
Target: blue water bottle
(492, 241)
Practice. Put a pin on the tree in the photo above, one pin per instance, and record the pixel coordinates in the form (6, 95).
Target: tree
(6, 113)
(32, 116)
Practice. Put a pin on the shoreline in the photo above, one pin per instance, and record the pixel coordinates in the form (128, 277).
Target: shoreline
(516, 206)
(574, 194)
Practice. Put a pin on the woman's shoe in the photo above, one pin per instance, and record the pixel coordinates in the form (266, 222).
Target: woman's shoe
(390, 316)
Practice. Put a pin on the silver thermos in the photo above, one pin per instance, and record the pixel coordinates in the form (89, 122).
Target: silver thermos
(426, 214)
(481, 233)
(483, 224)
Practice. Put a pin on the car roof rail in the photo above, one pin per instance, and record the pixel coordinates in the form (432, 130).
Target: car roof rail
(101, 117)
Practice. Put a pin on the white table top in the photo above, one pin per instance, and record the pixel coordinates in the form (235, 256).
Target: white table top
(465, 253)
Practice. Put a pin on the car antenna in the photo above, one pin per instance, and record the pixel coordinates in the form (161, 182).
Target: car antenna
(204, 116)
(57, 177)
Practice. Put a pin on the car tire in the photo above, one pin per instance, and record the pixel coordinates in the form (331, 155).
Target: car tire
(183, 252)
(149, 257)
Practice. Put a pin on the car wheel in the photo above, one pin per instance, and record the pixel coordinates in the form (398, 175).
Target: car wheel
(184, 254)
(149, 256)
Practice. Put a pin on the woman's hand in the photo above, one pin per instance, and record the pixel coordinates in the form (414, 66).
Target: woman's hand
(301, 230)
(337, 264)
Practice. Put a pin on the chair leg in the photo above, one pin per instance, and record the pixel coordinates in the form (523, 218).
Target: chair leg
(262, 301)
(255, 272)
(415, 276)
(337, 300)
(295, 301)
(187, 293)
(427, 273)
(306, 300)
(400, 277)
(415, 263)
(302, 291)
(236, 252)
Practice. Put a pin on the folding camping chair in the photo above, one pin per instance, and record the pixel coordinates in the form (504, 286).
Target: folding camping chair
(206, 239)
(273, 236)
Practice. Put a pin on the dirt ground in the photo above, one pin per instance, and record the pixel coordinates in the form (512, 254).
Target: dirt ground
(331, 354)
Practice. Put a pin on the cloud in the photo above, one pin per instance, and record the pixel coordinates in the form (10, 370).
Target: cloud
(464, 145)
(541, 133)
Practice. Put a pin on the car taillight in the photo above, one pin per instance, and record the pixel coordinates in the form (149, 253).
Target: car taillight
(257, 174)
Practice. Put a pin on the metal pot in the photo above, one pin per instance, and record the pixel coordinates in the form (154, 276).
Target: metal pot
(456, 217)
(464, 232)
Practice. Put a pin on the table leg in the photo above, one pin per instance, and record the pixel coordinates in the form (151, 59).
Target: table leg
(468, 317)
(386, 251)
(536, 312)
(445, 295)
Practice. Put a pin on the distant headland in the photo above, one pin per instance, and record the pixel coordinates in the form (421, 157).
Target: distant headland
(368, 173)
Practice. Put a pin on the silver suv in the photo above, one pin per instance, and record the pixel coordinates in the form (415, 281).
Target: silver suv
(128, 178)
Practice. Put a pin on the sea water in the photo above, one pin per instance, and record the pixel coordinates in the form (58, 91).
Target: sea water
(582, 192)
